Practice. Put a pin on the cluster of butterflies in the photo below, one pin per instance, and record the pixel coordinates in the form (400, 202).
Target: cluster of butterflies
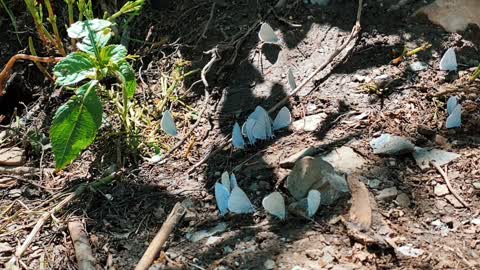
(259, 126)
(454, 111)
(231, 198)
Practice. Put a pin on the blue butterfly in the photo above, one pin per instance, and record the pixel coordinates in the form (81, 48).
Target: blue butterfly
(167, 124)
(230, 197)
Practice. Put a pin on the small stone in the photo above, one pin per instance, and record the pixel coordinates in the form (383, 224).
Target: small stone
(269, 264)
(475, 221)
(388, 144)
(227, 250)
(290, 161)
(441, 190)
(476, 185)
(426, 131)
(309, 123)
(451, 199)
(359, 78)
(440, 140)
(387, 194)
(440, 204)
(15, 193)
(403, 200)
(373, 183)
(345, 159)
(418, 66)
(12, 156)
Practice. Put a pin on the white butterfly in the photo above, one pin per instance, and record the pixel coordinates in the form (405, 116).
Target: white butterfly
(283, 119)
(275, 205)
(313, 202)
(452, 102)
(454, 120)
(167, 124)
(239, 203)
(229, 181)
(291, 79)
(237, 138)
(230, 197)
(267, 35)
(449, 60)
(258, 125)
(247, 130)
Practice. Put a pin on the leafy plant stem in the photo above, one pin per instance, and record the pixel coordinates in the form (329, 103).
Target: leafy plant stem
(43, 33)
(52, 18)
(476, 74)
(33, 52)
(70, 18)
(12, 19)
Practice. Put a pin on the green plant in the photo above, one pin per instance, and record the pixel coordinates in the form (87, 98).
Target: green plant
(76, 123)
(475, 74)
(12, 19)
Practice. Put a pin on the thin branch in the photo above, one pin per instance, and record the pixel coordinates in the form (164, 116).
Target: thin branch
(83, 251)
(447, 181)
(155, 246)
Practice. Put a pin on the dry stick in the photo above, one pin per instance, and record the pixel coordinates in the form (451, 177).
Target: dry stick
(7, 70)
(20, 170)
(212, 11)
(447, 181)
(83, 251)
(44, 218)
(354, 33)
(155, 246)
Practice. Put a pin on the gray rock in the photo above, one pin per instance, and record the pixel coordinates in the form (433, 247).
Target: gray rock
(344, 159)
(290, 161)
(418, 66)
(403, 200)
(476, 185)
(309, 123)
(388, 144)
(387, 194)
(423, 157)
(441, 190)
(269, 264)
(12, 156)
(456, 203)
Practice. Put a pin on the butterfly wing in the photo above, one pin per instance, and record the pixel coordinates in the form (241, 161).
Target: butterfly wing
(291, 79)
(313, 200)
(266, 34)
(248, 127)
(239, 203)
(283, 119)
(233, 181)
(454, 120)
(275, 204)
(449, 60)
(237, 138)
(452, 102)
(222, 196)
(167, 124)
(226, 180)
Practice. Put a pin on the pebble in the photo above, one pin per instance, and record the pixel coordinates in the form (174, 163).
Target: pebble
(15, 193)
(476, 185)
(269, 264)
(418, 66)
(309, 123)
(374, 183)
(13, 156)
(403, 200)
(475, 221)
(451, 199)
(441, 190)
(387, 194)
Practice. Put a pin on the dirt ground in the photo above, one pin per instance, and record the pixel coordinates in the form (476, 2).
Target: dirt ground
(122, 219)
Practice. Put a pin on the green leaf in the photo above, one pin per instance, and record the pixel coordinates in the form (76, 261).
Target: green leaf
(113, 53)
(101, 40)
(75, 125)
(126, 75)
(80, 30)
(74, 68)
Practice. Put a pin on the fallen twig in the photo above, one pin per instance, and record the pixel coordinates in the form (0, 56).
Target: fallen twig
(354, 33)
(44, 218)
(83, 251)
(20, 170)
(447, 181)
(7, 70)
(177, 213)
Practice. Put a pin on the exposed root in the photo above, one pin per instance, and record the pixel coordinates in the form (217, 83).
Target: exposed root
(7, 70)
